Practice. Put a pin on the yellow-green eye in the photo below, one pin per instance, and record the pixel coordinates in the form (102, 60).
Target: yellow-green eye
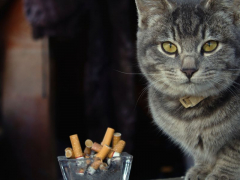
(169, 47)
(210, 46)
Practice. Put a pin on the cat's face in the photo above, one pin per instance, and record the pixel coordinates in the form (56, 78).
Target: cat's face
(190, 48)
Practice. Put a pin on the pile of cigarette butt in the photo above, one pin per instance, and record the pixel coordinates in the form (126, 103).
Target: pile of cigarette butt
(100, 153)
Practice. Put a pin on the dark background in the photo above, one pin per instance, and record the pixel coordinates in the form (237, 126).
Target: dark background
(95, 84)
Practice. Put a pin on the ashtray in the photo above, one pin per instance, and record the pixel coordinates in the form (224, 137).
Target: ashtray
(118, 168)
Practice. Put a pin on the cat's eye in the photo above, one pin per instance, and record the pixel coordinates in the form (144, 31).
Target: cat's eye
(169, 48)
(210, 46)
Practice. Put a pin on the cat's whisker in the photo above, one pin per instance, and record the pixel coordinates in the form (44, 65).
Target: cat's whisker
(235, 74)
(135, 73)
(144, 90)
(129, 73)
(211, 81)
(233, 69)
(235, 83)
(225, 86)
(220, 84)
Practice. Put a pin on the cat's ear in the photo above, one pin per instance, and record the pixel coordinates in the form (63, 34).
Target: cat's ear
(212, 4)
(236, 10)
(148, 10)
(232, 6)
(206, 4)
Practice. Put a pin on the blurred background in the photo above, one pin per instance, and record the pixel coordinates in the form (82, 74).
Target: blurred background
(69, 67)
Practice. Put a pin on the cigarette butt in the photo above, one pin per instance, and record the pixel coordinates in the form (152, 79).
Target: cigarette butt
(88, 143)
(104, 152)
(69, 153)
(88, 161)
(76, 146)
(116, 138)
(108, 137)
(119, 146)
(96, 147)
(81, 171)
(103, 167)
(88, 147)
(94, 166)
(110, 154)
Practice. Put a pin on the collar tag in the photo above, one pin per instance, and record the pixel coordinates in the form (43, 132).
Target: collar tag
(190, 101)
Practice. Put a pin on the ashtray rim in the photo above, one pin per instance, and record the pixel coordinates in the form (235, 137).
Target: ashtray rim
(123, 154)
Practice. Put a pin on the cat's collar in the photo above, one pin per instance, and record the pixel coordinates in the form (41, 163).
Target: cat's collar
(191, 101)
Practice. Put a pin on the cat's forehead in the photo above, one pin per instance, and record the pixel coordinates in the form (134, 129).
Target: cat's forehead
(190, 21)
(187, 20)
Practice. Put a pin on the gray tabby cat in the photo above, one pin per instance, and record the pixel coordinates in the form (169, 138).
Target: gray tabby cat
(190, 50)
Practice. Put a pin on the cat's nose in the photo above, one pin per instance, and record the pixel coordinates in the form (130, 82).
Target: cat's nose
(189, 72)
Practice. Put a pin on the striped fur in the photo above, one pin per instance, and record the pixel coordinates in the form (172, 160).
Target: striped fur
(209, 131)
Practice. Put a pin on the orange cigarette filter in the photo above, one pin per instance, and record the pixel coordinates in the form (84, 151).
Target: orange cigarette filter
(88, 161)
(116, 138)
(69, 153)
(110, 154)
(88, 144)
(96, 147)
(119, 146)
(104, 152)
(81, 171)
(76, 146)
(108, 136)
(103, 166)
(95, 165)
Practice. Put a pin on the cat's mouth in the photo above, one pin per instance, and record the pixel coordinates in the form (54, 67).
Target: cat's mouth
(192, 88)
(189, 82)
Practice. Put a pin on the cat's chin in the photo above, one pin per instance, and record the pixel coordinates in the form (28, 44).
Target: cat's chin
(189, 89)
(192, 89)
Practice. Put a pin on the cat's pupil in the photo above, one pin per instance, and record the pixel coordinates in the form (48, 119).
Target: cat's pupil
(209, 44)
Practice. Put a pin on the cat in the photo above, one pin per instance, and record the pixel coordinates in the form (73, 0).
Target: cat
(189, 52)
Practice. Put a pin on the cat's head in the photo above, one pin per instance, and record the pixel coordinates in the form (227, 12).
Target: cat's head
(189, 47)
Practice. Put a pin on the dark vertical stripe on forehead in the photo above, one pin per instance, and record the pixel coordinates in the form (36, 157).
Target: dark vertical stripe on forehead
(188, 20)
(203, 32)
(174, 34)
(200, 14)
(196, 30)
(179, 31)
(175, 15)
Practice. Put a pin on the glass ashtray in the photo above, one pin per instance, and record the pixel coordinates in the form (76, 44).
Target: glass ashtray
(79, 169)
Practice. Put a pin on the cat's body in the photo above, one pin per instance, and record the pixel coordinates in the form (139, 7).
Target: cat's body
(192, 48)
